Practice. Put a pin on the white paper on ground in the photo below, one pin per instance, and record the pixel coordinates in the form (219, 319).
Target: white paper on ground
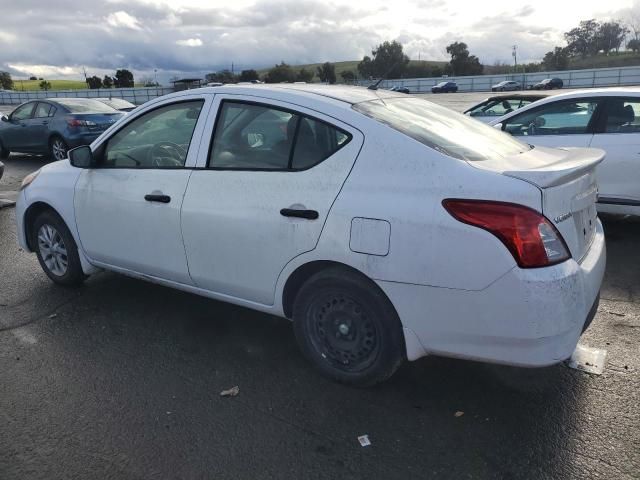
(587, 359)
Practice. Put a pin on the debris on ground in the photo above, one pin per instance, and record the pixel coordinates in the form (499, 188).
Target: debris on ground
(590, 360)
(364, 440)
(616, 314)
(458, 414)
(53, 315)
(232, 392)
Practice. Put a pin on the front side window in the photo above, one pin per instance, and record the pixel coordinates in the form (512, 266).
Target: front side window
(261, 137)
(568, 117)
(442, 129)
(623, 115)
(23, 112)
(158, 139)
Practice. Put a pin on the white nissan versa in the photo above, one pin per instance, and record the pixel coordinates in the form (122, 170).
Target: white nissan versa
(386, 227)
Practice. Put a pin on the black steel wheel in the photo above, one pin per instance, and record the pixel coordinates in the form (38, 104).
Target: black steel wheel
(347, 328)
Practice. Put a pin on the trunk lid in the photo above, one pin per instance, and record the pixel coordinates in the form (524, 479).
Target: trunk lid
(566, 178)
(98, 122)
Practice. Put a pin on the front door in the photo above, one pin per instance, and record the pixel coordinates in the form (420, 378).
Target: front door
(15, 135)
(271, 176)
(619, 173)
(128, 207)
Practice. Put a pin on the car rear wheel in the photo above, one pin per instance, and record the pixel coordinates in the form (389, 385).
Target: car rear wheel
(58, 148)
(56, 249)
(347, 328)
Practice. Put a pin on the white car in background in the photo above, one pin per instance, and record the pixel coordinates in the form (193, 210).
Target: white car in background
(386, 227)
(604, 118)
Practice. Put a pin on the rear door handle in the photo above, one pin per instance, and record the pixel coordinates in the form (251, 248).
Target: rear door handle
(294, 212)
(152, 197)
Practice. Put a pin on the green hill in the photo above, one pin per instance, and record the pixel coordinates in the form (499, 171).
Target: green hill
(345, 66)
(23, 85)
(622, 59)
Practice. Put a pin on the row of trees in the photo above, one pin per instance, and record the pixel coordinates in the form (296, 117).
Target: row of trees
(122, 79)
(277, 74)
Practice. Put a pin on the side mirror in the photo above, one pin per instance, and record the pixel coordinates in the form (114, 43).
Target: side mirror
(4, 118)
(498, 126)
(81, 157)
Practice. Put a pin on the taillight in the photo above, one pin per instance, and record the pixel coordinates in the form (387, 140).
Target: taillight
(530, 237)
(74, 122)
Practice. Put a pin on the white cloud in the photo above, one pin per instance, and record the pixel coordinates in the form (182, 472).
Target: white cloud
(189, 42)
(124, 20)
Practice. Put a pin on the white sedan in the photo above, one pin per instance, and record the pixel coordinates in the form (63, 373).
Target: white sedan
(603, 118)
(386, 227)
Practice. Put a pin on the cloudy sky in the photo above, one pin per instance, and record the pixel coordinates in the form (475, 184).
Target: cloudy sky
(57, 38)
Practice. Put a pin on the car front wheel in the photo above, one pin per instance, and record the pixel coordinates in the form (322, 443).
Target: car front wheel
(56, 249)
(58, 148)
(347, 328)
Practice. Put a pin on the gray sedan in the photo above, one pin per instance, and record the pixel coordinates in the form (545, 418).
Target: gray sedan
(505, 86)
(53, 126)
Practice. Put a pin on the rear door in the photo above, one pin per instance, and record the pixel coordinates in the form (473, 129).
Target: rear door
(563, 123)
(619, 174)
(263, 193)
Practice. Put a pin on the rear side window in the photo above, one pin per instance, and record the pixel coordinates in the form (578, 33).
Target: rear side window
(557, 118)
(442, 129)
(623, 115)
(262, 137)
(42, 110)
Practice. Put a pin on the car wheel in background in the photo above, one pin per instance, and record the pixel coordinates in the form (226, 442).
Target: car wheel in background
(56, 249)
(58, 148)
(347, 328)
(4, 153)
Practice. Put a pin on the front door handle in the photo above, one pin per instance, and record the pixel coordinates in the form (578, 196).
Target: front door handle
(294, 212)
(152, 197)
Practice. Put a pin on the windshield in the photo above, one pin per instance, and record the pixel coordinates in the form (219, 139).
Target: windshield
(442, 129)
(83, 105)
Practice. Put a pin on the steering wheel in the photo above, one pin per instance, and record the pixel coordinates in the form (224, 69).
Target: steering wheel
(166, 154)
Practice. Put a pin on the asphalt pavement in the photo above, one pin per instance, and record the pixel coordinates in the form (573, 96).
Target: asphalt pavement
(120, 379)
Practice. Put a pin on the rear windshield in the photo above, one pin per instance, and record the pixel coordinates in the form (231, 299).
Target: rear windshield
(442, 129)
(83, 105)
(118, 103)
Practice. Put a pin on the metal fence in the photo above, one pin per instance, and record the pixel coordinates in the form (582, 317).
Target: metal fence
(136, 96)
(597, 77)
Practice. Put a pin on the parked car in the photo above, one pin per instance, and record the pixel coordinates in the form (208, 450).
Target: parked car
(604, 118)
(505, 86)
(499, 105)
(1, 169)
(549, 84)
(400, 89)
(119, 104)
(384, 226)
(53, 125)
(445, 87)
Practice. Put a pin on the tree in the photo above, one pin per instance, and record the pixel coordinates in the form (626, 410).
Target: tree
(582, 40)
(348, 76)
(44, 85)
(280, 73)
(387, 60)
(634, 45)
(304, 75)
(123, 79)
(556, 59)
(418, 70)
(223, 76)
(327, 73)
(248, 76)
(107, 82)
(94, 82)
(33, 77)
(461, 62)
(610, 36)
(6, 82)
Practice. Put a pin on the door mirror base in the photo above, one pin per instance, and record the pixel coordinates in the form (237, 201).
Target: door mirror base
(4, 118)
(81, 157)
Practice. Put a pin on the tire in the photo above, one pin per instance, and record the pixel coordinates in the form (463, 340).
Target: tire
(4, 153)
(56, 249)
(347, 328)
(58, 148)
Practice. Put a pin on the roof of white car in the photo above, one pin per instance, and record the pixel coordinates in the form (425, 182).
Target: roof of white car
(344, 93)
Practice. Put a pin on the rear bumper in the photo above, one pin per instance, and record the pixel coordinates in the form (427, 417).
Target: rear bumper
(528, 317)
(81, 138)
